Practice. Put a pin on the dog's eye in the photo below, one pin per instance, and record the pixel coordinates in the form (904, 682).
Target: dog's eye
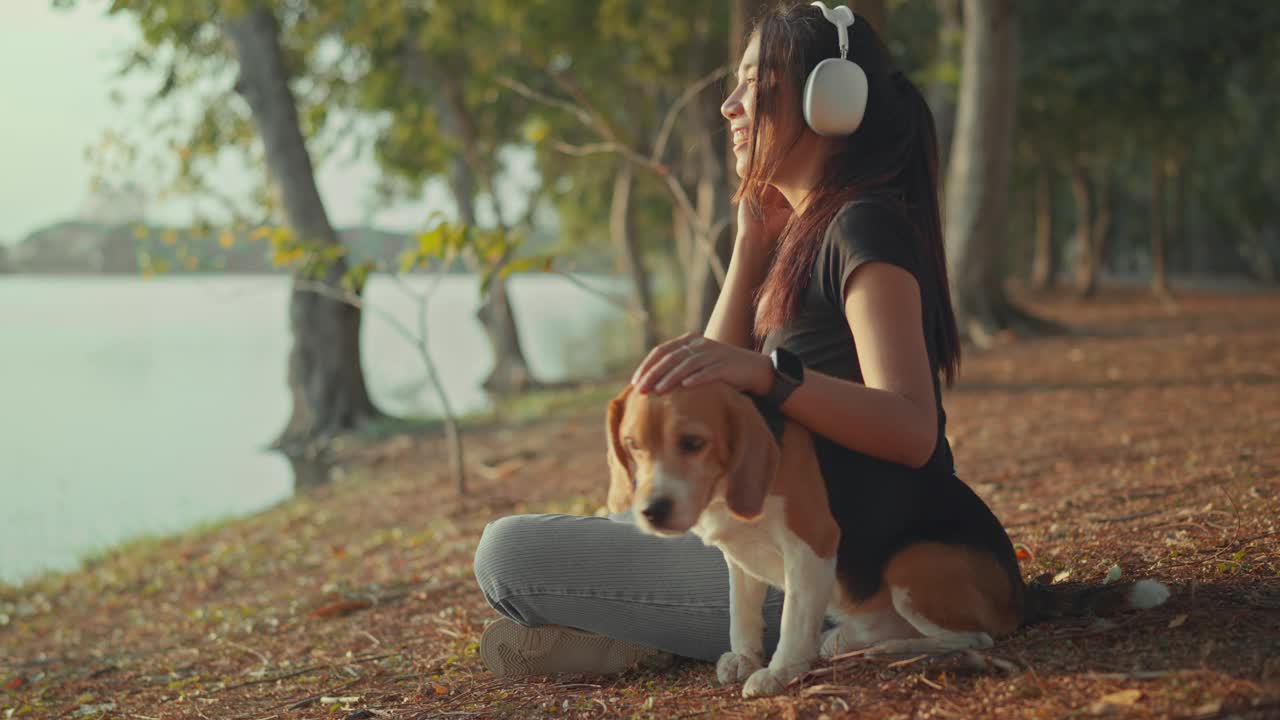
(691, 443)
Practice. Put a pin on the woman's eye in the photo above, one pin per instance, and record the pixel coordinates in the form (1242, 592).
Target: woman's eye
(692, 444)
(629, 443)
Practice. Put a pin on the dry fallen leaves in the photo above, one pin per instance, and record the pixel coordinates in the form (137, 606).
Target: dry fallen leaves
(340, 608)
(1169, 470)
(1115, 701)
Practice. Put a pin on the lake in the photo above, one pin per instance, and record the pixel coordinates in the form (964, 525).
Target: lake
(132, 406)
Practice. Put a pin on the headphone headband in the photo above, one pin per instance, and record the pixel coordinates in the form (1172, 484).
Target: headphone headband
(835, 94)
(843, 18)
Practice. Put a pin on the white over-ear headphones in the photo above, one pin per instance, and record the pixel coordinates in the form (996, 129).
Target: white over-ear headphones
(835, 95)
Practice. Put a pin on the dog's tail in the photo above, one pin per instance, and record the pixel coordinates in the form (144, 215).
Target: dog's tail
(1045, 601)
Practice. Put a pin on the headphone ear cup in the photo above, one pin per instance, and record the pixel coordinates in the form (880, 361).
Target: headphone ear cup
(835, 97)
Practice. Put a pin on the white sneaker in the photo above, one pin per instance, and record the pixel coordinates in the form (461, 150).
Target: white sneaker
(510, 649)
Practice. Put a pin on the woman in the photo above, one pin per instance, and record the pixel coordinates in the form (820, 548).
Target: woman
(839, 260)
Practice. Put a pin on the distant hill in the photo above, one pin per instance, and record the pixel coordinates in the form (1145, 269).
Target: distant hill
(75, 246)
(83, 247)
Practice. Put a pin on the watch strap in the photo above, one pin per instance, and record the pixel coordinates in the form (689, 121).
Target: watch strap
(783, 384)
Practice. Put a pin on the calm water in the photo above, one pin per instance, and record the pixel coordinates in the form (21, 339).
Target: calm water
(132, 406)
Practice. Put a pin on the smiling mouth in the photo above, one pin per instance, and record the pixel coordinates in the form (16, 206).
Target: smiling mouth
(740, 137)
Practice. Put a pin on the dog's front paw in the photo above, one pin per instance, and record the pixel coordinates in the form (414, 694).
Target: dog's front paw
(735, 667)
(765, 682)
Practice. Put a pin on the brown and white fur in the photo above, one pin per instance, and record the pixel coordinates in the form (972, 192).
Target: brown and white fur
(703, 460)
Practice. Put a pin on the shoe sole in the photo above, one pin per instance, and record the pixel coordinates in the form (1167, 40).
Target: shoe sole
(503, 643)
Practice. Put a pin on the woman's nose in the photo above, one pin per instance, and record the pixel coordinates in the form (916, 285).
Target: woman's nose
(731, 108)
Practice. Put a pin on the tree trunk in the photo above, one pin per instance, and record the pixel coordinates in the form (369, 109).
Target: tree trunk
(510, 373)
(1101, 232)
(1044, 267)
(978, 176)
(1264, 253)
(1159, 273)
(627, 251)
(1176, 243)
(950, 37)
(1086, 257)
(711, 203)
(325, 375)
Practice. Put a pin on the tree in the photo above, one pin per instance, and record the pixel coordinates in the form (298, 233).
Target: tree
(1174, 92)
(941, 85)
(325, 375)
(1070, 125)
(978, 174)
(198, 47)
(420, 70)
(658, 60)
(1044, 268)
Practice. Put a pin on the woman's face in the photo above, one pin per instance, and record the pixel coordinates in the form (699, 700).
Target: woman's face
(740, 110)
(740, 107)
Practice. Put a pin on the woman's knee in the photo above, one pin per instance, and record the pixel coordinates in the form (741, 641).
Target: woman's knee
(506, 546)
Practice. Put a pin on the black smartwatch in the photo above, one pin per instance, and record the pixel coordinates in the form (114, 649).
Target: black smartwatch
(788, 374)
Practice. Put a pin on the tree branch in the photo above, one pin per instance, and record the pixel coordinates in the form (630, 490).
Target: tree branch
(565, 80)
(668, 122)
(528, 92)
(704, 234)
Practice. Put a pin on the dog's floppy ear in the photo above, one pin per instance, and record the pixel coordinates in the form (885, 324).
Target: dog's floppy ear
(621, 486)
(754, 461)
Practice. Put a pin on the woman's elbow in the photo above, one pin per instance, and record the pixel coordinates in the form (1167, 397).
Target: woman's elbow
(919, 450)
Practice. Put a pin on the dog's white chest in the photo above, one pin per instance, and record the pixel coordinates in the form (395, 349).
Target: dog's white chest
(753, 546)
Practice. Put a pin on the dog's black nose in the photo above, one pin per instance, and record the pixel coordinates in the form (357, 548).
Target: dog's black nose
(659, 511)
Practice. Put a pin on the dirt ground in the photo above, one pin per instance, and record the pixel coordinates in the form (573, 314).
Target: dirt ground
(1148, 439)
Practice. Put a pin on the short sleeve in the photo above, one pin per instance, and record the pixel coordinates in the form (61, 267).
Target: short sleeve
(861, 233)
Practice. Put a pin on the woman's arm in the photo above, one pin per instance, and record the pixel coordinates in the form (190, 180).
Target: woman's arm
(731, 320)
(894, 415)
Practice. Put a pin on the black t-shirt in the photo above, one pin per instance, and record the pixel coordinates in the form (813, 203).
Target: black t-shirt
(881, 506)
(861, 232)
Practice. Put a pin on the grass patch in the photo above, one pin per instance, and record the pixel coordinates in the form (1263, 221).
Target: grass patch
(532, 406)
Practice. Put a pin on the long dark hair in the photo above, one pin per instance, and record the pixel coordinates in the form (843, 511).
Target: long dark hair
(891, 158)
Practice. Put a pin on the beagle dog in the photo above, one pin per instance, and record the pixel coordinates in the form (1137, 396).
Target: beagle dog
(704, 460)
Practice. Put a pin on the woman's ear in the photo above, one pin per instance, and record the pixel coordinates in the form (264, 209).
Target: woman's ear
(621, 484)
(754, 461)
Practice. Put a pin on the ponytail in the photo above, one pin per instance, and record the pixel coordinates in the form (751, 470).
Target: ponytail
(922, 198)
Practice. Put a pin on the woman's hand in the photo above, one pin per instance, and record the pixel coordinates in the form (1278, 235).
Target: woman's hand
(777, 212)
(693, 360)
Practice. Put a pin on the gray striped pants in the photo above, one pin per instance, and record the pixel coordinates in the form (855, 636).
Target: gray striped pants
(604, 576)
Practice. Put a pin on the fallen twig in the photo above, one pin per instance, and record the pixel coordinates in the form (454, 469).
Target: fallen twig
(908, 661)
(313, 698)
(924, 679)
(273, 678)
(1124, 518)
(1142, 674)
(1222, 551)
(303, 671)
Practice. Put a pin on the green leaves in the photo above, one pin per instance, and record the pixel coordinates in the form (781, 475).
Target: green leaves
(442, 244)
(531, 263)
(494, 251)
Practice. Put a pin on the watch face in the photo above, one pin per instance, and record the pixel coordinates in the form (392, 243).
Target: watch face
(788, 365)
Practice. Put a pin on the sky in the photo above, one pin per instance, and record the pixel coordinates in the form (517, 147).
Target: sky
(57, 74)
